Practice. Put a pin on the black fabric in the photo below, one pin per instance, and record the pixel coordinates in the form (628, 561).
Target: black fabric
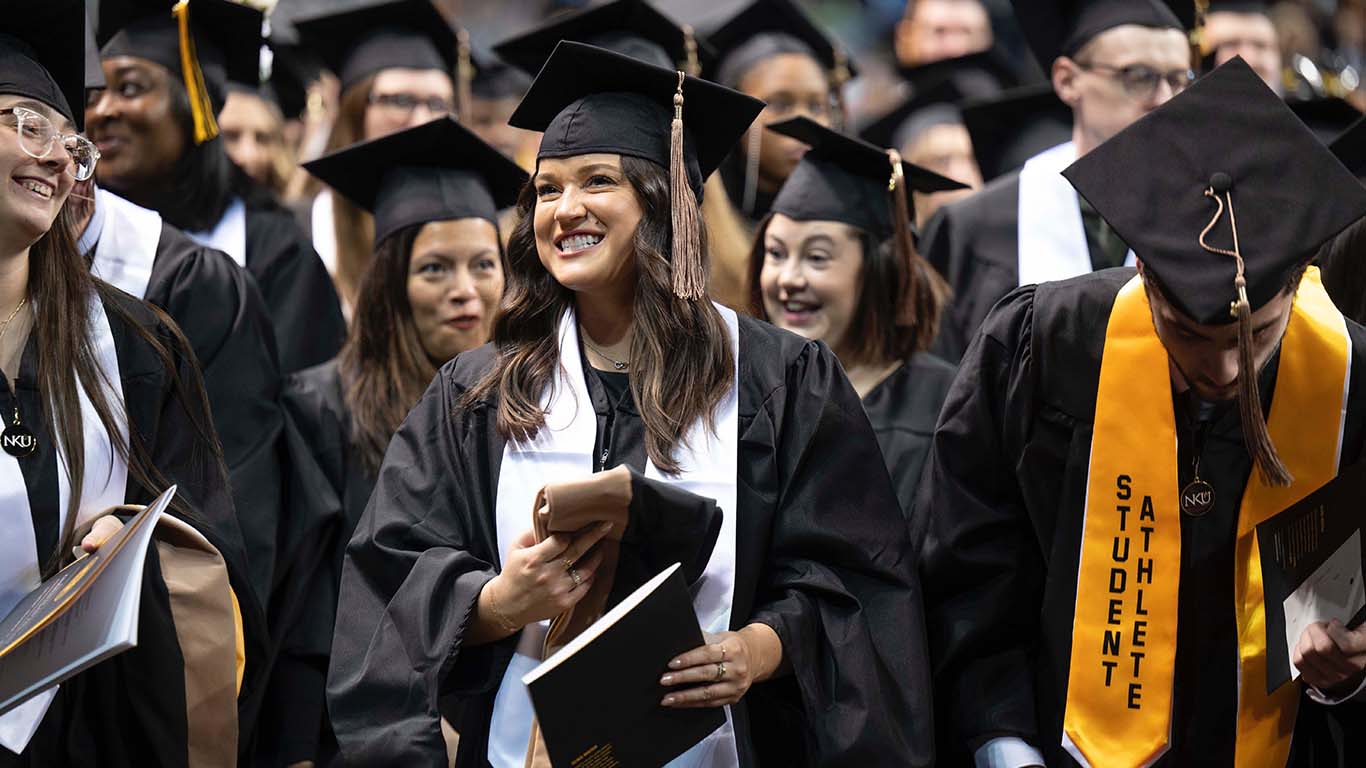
(227, 39)
(588, 100)
(998, 524)
(845, 179)
(1350, 147)
(903, 410)
(633, 28)
(41, 56)
(299, 294)
(764, 28)
(1014, 126)
(1229, 127)
(434, 172)
(1327, 116)
(130, 710)
(1056, 28)
(360, 40)
(823, 563)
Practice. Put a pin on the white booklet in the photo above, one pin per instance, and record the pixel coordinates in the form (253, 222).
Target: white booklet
(81, 616)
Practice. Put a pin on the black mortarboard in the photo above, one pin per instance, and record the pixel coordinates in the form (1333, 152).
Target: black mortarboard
(914, 116)
(634, 28)
(1223, 194)
(1056, 28)
(587, 99)
(1326, 116)
(938, 89)
(359, 41)
(94, 68)
(1289, 194)
(435, 172)
(41, 59)
(1016, 125)
(974, 76)
(1350, 148)
(292, 70)
(765, 28)
(225, 38)
(496, 79)
(845, 179)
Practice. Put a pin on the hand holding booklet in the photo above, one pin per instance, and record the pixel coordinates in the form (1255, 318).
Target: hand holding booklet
(81, 616)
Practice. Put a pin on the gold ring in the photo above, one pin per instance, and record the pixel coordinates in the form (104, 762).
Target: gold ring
(568, 564)
(720, 670)
(723, 653)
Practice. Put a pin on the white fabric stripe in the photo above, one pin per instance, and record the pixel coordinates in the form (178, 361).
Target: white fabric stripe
(562, 450)
(126, 245)
(230, 234)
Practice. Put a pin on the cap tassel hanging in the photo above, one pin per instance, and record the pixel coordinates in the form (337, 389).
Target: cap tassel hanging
(1255, 434)
(689, 275)
(201, 107)
(690, 63)
(901, 233)
(464, 74)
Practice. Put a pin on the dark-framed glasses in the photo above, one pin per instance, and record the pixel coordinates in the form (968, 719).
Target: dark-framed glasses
(1141, 81)
(407, 102)
(37, 134)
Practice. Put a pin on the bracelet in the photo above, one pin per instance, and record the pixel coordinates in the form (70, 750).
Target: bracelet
(504, 623)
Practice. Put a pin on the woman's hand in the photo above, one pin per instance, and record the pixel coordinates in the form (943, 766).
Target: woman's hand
(1331, 657)
(721, 672)
(541, 581)
(100, 532)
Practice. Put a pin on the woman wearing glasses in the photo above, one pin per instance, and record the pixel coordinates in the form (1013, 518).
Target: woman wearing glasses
(394, 60)
(155, 125)
(102, 405)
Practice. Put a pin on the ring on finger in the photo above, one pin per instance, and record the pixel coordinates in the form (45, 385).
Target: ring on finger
(720, 670)
(574, 574)
(568, 564)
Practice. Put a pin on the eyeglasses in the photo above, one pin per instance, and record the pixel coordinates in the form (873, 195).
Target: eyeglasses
(407, 102)
(37, 134)
(1141, 82)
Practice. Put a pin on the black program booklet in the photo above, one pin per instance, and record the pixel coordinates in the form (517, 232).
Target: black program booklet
(1312, 565)
(597, 698)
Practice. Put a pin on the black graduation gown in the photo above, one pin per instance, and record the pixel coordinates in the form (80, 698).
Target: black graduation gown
(821, 557)
(130, 710)
(903, 410)
(218, 307)
(303, 304)
(999, 523)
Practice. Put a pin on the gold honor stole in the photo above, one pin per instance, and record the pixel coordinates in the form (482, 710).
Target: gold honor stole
(1119, 693)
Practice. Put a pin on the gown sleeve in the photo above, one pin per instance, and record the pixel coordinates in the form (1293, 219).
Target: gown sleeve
(980, 562)
(422, 552)
(303, 304)
(839, 585)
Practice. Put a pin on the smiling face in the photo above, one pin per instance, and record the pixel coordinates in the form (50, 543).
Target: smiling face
(35, 189)
(585, 222)
(790, 85)
(133, 124)
(455, 281)
(810, 277)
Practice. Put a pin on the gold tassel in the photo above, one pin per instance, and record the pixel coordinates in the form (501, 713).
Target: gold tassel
(690, 46)
(905, 244)
(201, 108)
(689, 273)
(464, 75)
(1255, 434)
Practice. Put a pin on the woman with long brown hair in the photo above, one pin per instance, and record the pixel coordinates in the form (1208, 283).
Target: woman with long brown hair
(835, 262)
(396, 61)
(608, 354)
(103, 405)
(430, 293)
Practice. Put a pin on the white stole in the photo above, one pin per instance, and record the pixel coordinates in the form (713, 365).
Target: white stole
(126, 245)
(105, 485)
(230, 234)
(563, 450)
(1052, 239)
(323, 227)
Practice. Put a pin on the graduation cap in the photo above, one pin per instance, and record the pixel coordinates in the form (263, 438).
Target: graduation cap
(1056, 28)
(437, 171)
(292, 70)
(1350, 148)
(587, 99)
(634, 28)
(974, 76)
(843, 178)
(496, 79)
(1016, 125)
(40, 56)
(1326, 116)
(914, 116)
(1223, 194)
(359, 41)
(937, 91)
(220, 41)
(766, 28)
(94, 68)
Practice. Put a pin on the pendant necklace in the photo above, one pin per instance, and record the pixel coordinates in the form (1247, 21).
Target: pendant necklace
(17, 439)
(620, 365)
(1197, 498)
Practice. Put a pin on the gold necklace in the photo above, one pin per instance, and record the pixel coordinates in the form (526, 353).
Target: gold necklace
(5, 328)
(620, 365)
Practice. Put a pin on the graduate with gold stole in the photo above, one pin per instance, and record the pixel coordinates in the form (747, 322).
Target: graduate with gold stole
(1087, 520)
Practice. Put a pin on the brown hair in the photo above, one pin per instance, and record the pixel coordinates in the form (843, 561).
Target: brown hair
(353, 227)
(899, 308)
(681, 356)
(60, 285)
(383, 365)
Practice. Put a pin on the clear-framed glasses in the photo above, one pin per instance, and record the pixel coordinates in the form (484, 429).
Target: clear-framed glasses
(407, 102)
(1141, 82)
(37, 134)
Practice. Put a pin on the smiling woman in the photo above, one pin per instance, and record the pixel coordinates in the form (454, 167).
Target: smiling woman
(606, 353)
